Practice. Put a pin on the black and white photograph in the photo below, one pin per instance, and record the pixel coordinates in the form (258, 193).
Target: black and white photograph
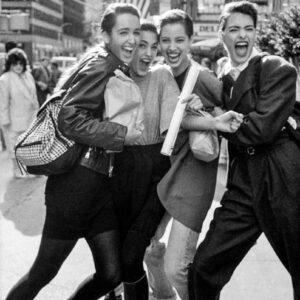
(150, 149)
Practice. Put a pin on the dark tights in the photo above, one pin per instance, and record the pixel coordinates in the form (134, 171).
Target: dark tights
(52, 254)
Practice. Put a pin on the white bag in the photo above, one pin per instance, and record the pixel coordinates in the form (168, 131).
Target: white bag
(205, 143)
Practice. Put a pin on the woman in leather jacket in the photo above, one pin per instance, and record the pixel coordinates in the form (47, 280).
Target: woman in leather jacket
(79, 203)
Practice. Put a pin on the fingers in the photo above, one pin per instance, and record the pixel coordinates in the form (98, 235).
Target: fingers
(193, 102)
(232, 115)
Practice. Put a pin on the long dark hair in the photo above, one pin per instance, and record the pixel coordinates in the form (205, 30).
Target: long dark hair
(14, 56)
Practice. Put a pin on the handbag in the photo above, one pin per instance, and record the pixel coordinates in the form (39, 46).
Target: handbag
(204, 144)
(42, 149)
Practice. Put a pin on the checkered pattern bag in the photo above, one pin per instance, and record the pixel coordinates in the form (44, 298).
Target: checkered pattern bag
(43, 149)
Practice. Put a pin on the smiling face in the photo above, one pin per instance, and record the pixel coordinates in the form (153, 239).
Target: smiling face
(145, 53)
(175, 45)
(238, 37)
(124, 36)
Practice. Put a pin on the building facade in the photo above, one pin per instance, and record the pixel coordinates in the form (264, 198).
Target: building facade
(55, 27)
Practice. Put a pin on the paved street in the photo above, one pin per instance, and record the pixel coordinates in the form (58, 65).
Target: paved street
(259, 277)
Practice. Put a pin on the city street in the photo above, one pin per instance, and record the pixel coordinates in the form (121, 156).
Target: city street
(259, 277)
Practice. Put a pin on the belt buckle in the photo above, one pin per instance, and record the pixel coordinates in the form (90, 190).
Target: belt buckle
(250, 150)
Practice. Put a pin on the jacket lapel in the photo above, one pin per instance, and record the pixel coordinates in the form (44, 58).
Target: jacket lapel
(244, 83)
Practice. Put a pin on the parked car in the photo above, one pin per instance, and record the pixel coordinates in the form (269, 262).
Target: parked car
(64, 62)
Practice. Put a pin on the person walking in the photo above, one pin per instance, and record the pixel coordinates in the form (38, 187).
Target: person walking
(42, 77)
(263, 188)
(18, 102)
(79, 203)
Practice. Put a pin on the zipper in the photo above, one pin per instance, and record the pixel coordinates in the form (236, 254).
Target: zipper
(111, 164)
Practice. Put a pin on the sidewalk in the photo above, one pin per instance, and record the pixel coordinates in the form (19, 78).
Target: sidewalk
(259, 277)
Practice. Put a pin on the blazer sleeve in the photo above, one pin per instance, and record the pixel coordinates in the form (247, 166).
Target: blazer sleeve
(80, 117)
(209, 88)
(275, 104)
(4, 101)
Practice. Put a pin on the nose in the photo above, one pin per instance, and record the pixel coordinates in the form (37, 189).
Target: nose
(131, 38)
(148, 51)
(242, 33)
(172, 45)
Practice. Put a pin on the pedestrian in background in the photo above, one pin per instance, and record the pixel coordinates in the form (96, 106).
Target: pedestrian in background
(206, 63)
(263, 188)
(18, 101)
(55, 75)
(79, 203)
(42, 77)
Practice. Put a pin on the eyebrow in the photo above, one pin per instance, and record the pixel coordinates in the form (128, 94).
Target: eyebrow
(238, 26)
(127, 28)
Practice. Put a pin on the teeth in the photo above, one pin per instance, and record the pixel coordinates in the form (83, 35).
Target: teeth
(145, 61)
(128, 48)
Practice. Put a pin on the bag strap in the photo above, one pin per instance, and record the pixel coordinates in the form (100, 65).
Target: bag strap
(67, 84)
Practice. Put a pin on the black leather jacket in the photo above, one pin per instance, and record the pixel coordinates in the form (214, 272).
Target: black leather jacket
(81, 115)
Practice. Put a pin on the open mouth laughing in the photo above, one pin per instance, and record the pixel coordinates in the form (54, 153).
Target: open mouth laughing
(173, 58)
(241, 48)
(128, 51)
(145, 62)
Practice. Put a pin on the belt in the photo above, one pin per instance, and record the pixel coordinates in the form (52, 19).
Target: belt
(252, 150)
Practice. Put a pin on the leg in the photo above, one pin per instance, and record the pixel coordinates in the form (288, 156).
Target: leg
(135, 280)
(51, 255)
(160, 286)
(232, 233)
(179, 255)
(105, 250)
(278, 208)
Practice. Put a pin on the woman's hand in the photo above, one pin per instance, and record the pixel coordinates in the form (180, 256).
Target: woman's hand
(132, 132)
(193, 102)
(229, 121)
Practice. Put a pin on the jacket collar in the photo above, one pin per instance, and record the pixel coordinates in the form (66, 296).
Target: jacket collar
(245, 81)
(116, 61)
(236, 70)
